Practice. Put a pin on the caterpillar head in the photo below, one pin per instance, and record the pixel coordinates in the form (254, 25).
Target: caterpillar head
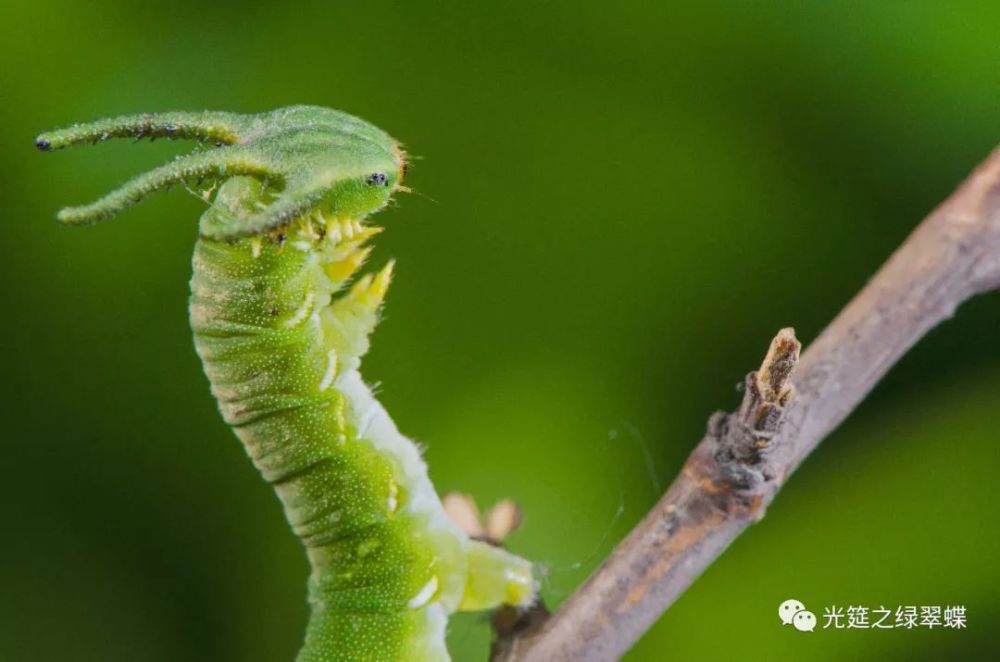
(312, 158)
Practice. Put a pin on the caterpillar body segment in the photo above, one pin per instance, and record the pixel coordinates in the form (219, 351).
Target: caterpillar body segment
(281, 321)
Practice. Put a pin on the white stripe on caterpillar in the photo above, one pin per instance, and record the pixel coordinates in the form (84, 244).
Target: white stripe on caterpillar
(303, 311)
(424, 595)
(331, 370)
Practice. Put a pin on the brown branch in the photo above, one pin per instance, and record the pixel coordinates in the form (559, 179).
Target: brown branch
(738, 468)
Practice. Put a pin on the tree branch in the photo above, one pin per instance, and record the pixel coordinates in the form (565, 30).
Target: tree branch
(745, 457)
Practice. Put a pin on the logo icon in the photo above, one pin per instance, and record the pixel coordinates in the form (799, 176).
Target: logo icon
(793, 612)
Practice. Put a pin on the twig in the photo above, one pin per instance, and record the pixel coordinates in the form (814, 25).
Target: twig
(738, 468)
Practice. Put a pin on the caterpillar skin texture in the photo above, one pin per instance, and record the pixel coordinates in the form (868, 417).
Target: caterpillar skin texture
(281, 323)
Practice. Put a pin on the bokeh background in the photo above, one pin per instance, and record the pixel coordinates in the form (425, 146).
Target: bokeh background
(617, 205)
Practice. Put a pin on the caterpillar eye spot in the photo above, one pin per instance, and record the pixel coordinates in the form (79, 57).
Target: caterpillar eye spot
(43, 144)
(377, 179)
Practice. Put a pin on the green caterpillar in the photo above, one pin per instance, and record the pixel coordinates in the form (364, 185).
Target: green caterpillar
(281, 330)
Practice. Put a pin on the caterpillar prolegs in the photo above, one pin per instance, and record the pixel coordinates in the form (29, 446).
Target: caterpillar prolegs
(281, 322)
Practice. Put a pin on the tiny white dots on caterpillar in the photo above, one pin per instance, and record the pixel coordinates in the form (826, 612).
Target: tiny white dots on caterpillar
(424, 595)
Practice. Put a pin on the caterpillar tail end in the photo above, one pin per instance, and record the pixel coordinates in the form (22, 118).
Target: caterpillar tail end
(496, 577)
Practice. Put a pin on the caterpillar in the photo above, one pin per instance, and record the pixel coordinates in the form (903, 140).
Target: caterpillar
(281, 321)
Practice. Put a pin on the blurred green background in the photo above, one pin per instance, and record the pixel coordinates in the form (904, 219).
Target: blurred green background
(618, 204)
